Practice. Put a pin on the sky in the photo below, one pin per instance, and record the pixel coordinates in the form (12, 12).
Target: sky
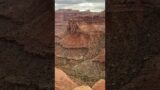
(82, 5)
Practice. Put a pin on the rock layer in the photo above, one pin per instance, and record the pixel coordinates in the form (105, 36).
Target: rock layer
(81, 41)
(83, 33)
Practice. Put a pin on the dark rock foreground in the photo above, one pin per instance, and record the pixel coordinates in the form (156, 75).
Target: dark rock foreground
(26, 44)
(133, 45)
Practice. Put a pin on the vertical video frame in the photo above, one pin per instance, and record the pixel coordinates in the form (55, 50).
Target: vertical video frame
(79, 44)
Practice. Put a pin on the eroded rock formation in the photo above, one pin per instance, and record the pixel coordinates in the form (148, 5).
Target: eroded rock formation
(63, 81)
(81, 41)
(83, 33)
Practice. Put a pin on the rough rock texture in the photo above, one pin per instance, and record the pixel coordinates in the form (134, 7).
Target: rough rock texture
(26, 44)
(132, 42)
(62, 81)
(75, 41)
(101, 56)
(100, 85)
(89, 70)
(149, 77)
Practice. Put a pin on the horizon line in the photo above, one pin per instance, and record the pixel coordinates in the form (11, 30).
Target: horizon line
(80, 10)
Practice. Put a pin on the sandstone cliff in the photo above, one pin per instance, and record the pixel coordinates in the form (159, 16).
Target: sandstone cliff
(79, 45)
(83, 33)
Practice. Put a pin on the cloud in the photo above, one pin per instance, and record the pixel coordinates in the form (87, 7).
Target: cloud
(95, 1)
(69, 1)
(82, 5)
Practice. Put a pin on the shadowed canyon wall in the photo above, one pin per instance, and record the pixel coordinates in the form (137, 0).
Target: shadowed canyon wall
(133, 44)
(26, 44)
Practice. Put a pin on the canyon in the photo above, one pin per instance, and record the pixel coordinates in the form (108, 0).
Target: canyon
(80, 46)
(27, 46)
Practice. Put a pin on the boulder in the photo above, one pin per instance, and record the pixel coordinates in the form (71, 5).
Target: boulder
(83, 88)
(62, 81)
(100, 85)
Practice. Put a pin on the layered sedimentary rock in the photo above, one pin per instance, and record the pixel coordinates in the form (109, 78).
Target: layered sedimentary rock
(81, 41)
(26, 44)
(83, 33)
(132, 43)
(63, 15)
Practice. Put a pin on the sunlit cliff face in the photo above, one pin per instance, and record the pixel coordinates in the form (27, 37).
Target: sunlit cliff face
(86, 25)
(91, 27)
(82, 32)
